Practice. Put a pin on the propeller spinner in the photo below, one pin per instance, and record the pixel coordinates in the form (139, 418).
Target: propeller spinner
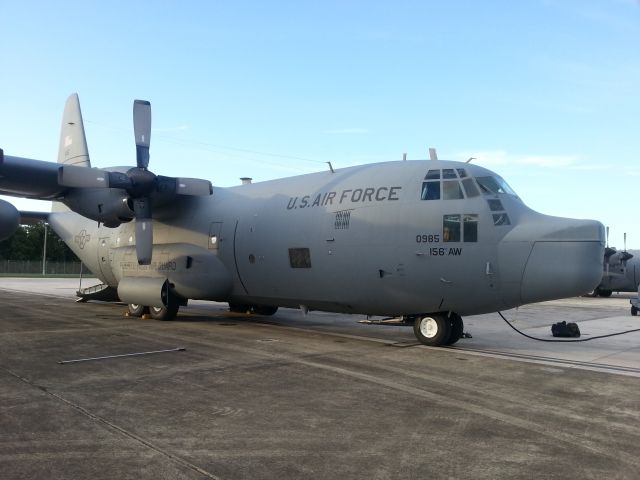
(138, 182)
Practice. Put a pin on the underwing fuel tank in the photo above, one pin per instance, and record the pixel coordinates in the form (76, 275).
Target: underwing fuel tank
(546, 258)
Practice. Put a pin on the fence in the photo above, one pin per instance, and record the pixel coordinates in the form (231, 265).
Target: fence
(32, 267)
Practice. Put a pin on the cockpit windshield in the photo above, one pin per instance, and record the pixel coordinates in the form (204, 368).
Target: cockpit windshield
(493, 185)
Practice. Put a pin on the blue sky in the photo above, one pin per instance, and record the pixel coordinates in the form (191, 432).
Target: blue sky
(544, 92)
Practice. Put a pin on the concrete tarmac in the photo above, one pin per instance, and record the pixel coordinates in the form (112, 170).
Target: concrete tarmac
(316, 396)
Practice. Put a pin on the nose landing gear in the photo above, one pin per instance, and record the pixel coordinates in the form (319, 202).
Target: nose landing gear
(437, 329)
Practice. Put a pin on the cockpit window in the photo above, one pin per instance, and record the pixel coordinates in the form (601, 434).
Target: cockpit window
(433, 175)
(493, 185)
(470, 227)
(451, 228)
(431, 190)
(448, 173)
(451, 190)
(500, 219)
(470, 188)
(462, 172)
(495, 205)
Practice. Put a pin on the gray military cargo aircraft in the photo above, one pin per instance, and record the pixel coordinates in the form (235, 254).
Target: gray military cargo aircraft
(621, 272)
(422, 242)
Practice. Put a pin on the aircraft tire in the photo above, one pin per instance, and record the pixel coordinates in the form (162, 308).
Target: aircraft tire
(165, 313)
(605, 293)
(457, 328)
(266, 310)
(634, 311)
(239, 308)
(432, 329)
(137, 310)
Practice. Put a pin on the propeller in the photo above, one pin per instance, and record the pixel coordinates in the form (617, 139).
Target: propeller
(625, 255)
(140, 184)
(608, 251)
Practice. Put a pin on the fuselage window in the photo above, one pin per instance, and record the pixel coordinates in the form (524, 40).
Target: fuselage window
(470, 188)
(495, 205)
(299, 258)
(451, 228)
(451, 190)
(470, 227)
(500, 219)
(433, 175)
(431, 190)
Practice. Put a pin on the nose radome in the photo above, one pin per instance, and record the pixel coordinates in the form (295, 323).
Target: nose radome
(565, 261)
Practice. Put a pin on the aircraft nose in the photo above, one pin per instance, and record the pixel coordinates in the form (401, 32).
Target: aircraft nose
(565, 258)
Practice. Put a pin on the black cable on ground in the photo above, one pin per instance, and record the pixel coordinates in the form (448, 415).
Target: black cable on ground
(565, 341)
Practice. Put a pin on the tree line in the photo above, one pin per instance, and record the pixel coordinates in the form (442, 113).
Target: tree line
(28, 243)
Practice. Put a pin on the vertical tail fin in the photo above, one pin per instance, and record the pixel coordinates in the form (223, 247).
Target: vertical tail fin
(73, 144)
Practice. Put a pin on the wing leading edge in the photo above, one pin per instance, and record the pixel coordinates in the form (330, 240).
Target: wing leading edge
(24, 177)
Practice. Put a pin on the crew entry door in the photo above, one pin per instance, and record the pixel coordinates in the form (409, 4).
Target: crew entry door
(105, 256)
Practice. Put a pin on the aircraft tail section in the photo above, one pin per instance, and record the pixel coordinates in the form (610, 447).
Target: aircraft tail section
(73, 144)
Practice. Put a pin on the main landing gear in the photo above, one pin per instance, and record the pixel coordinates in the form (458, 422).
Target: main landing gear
(264, 310)
(437, 329)
(167, 312)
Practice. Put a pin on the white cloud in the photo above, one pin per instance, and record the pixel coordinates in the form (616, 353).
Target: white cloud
(493, 158)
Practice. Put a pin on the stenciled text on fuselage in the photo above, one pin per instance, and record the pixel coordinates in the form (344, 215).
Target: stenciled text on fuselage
(356, 195)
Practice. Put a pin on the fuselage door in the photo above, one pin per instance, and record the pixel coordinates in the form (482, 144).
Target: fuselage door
(105, 257)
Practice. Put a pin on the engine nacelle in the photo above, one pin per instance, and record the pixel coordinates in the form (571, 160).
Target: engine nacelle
(110, 206)
(9, 219)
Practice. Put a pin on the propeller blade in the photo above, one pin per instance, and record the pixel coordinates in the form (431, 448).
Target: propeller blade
(142, 131)
(193, 186)
(144, 240)
(183, 186)
(144, 230)
(82, 177)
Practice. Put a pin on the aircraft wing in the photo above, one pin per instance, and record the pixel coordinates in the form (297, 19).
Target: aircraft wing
(24, 177)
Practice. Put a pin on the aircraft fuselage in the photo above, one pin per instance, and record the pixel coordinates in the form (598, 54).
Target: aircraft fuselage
(371, 239)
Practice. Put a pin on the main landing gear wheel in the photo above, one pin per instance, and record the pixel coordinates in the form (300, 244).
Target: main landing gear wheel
(265, 310)
(605, 293)
(239, 308)
(170, 308)
(165, 313)
(137, 310)
(634, 311)
(432, 330)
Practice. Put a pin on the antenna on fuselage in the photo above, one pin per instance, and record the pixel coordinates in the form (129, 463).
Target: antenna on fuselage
(433, 155)
(404, 157)
(470, 159)
(330, 167)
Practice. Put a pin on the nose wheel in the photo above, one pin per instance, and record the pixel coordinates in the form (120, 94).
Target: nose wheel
(437, 329)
